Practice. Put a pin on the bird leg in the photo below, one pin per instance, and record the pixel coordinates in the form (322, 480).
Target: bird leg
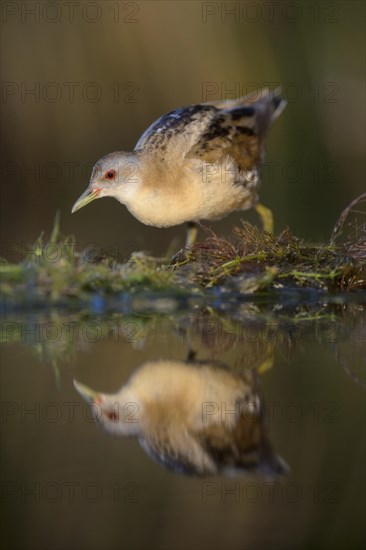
(266, 365)
(266, 217)
(191, 355)
(192, 231)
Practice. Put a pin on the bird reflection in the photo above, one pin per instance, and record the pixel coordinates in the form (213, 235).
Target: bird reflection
(193, 417)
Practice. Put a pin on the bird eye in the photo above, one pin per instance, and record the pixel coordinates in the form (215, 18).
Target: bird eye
(112, 416)
(110, 175)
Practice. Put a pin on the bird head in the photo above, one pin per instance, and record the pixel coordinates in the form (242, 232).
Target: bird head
(117, 414)
(115, 175)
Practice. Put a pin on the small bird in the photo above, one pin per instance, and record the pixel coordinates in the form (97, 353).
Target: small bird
(198, 162)
(197, 418)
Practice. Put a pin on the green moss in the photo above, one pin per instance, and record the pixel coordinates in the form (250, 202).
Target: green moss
(276, 261)
(285, 260)
(249, 261)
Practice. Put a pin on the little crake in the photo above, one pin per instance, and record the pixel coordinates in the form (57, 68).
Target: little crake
(193, 417)
(199, 162)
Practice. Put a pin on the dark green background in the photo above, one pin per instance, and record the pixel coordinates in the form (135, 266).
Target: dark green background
(164, 55)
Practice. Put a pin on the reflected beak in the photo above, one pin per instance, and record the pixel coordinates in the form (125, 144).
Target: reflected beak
(88, 394)
(88, 196)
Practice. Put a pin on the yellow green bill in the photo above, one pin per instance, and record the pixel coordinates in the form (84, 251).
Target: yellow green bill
(87, 393)
(88, 196)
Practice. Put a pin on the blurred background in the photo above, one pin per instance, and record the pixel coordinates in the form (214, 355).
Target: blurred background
(83, 79)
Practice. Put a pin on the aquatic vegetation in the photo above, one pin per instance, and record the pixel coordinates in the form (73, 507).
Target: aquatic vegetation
(56, 272)
(259, 260)
(250, 261)
(253, 259)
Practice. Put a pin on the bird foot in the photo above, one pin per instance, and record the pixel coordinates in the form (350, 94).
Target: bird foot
(266, 217)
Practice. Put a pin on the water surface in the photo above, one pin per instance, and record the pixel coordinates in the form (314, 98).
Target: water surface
(68, 481)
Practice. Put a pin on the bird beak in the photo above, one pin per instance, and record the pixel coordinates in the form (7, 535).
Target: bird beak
(88, 394)
(88, 196)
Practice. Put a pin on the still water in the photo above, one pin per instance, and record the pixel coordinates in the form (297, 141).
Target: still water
(184, 426)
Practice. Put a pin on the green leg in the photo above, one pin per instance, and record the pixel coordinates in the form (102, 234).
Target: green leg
(266, 217)
(192, 231)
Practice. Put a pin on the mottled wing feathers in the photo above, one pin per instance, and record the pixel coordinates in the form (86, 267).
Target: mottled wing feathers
(211, 131)
(238, 130)
(244, 447)
(265, 96)
(229, 134)
(177, 130)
